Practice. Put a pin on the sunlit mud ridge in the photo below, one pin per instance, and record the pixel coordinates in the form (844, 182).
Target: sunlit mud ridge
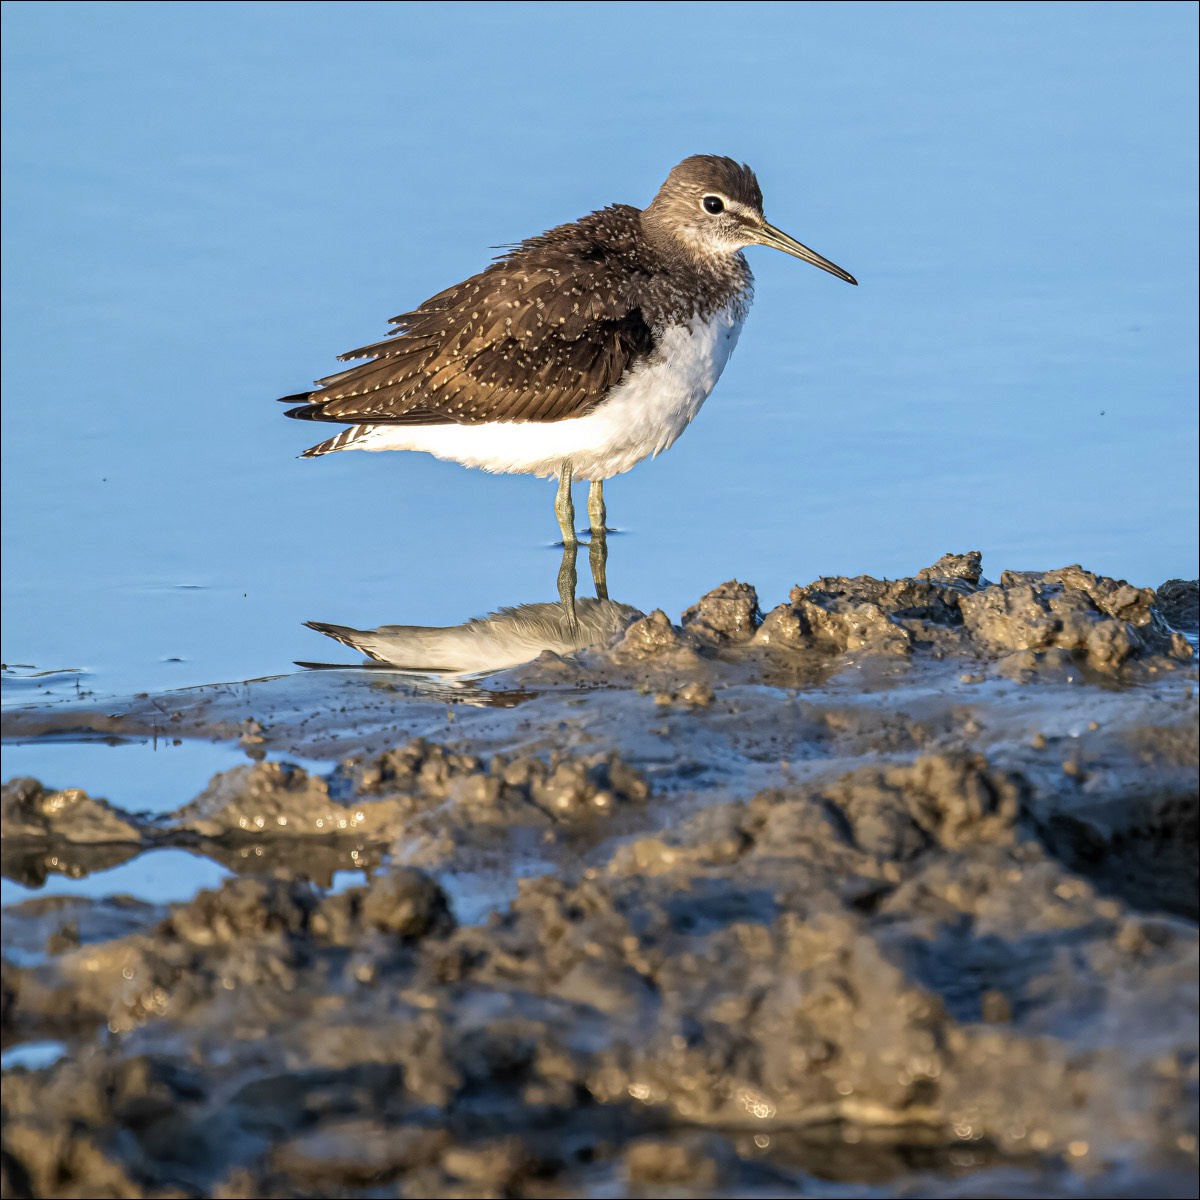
(892, 886)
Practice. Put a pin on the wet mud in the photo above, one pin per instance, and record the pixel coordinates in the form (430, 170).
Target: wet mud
(891, 890)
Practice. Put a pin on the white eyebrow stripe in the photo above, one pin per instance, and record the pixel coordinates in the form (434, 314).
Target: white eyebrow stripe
(738, 207)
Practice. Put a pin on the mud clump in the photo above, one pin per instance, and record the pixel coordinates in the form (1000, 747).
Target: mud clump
(1028, 620)
(250, 932)
(948, 801)
(838, 615)
(404, 903)
(243, 908)
(728, 613)
(377, 799)
(277, 796)
(1105, 622)
(50, 831)
(889, 948)
(422, 777)
(835, 615)
(694, 695)
(967, 567)
(1179, 602)
(32, 812)
(416, 768)
(654, 641)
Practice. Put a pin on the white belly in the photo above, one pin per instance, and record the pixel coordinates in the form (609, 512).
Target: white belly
(648, 410)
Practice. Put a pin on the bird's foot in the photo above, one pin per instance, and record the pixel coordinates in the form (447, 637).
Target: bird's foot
(563, 543)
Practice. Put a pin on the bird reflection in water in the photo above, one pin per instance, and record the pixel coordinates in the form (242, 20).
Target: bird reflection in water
(568, 577)
(507, 637)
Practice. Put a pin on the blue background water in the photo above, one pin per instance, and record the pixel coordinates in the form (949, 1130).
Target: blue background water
(204, 203)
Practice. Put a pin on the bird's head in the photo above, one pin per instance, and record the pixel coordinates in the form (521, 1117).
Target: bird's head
(711, 207)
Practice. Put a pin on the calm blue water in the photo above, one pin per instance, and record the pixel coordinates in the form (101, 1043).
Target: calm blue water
(204, 203)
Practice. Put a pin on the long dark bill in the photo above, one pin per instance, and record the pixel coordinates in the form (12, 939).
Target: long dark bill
(768, 235)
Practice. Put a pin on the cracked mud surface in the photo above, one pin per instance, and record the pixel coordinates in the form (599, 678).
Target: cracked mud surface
(889, 891)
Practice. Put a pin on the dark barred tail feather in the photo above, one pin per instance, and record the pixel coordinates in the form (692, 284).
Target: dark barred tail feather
(341, 441)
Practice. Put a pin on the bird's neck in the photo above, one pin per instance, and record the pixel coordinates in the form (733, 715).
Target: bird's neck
(716, 267)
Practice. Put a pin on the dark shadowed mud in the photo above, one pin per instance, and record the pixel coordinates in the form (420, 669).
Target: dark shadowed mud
(891, 891)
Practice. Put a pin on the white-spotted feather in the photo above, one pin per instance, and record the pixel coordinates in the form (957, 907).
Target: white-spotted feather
(643, 416)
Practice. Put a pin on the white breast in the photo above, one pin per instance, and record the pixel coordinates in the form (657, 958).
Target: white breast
(645, 414)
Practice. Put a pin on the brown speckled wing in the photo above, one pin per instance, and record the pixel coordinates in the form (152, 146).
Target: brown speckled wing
(540, 335)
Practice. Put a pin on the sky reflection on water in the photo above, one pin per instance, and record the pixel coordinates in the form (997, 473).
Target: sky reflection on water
(205, 203)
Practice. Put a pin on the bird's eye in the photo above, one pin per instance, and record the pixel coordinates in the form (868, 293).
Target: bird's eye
(713, 204)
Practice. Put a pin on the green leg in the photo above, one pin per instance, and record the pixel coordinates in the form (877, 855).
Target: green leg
(596, 511)
(564, 510)
(564, 506)
(598, 550)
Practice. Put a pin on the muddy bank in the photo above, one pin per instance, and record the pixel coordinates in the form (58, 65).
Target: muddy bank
(889, 891)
